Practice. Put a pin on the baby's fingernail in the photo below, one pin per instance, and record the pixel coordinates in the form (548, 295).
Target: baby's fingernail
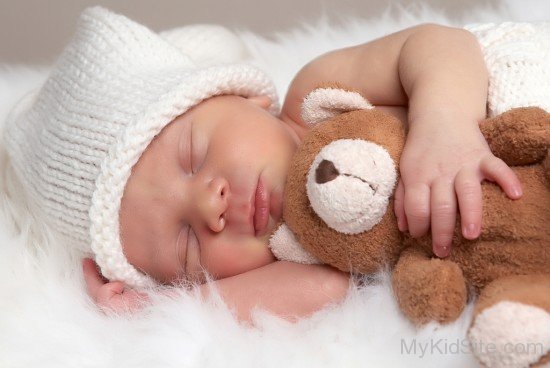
(517, 192)
(470, 231)
(442, 251)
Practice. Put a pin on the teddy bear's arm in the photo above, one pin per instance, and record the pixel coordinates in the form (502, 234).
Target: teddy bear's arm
(519, 136)
(428, 288)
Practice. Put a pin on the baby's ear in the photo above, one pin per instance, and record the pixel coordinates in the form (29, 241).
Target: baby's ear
(263, 101)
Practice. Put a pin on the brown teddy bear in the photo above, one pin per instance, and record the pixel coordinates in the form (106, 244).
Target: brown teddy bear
(338, 210)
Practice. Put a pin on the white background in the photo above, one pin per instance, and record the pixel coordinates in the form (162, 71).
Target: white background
(35, 31)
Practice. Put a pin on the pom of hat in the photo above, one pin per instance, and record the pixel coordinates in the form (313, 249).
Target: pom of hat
(207, 44)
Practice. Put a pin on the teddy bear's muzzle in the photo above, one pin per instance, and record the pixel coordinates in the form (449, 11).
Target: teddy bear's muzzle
(350, 183)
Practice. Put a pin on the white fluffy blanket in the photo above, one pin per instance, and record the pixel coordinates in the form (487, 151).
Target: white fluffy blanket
(46, 319)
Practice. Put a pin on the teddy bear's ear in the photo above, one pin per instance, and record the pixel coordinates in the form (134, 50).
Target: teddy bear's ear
(327, 102)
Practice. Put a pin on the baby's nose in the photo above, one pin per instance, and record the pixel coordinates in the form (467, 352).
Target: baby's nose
(214, 203)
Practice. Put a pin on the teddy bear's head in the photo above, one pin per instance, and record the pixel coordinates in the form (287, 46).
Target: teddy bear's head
(339, 193)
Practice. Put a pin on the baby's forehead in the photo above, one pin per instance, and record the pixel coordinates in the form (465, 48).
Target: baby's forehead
(220, 108)
(232, 102)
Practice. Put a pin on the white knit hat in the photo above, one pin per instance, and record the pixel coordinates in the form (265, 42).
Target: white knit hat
(113, 89)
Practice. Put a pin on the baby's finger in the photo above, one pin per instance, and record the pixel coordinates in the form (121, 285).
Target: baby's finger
(398, 207)
(496, 170)
(127, 300)
(92, 277)
(134, 300)
(109, 294)
(443, 214)
(113, 288)
(468, 192)
(417, 209)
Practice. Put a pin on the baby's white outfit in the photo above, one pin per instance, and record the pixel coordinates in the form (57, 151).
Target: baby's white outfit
(517, 56)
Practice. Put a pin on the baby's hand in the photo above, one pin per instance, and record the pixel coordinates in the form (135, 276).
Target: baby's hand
(110, 296)
(442, 166)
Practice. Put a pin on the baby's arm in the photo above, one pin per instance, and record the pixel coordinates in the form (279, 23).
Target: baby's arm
(287, 289)
(446, 157)
(439, 73)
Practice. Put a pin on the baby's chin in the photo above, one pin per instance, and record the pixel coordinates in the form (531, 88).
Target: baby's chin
(272, 226)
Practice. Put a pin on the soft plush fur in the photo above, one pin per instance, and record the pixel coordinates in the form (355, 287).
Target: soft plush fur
(511, 256)
(365, 252)
(46, 319)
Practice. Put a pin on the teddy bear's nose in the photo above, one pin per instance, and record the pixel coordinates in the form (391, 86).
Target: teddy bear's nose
(325, 172)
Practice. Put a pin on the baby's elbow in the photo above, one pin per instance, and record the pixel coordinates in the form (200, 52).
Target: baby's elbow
(434, 27)
(440, 29)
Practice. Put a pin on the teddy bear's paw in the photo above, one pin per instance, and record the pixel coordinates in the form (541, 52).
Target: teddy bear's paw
(428, 289)
(510, 334)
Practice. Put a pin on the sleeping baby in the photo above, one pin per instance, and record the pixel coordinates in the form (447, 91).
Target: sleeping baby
(166, 166)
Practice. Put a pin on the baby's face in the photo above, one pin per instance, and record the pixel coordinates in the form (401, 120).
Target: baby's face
(207, 192)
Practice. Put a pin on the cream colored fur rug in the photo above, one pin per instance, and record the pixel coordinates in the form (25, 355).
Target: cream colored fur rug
(46, 319)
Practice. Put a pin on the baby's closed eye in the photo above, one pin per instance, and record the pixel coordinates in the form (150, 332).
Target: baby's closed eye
(181, 246)
(192, 148)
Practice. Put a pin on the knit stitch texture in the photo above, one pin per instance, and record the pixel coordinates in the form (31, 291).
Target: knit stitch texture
(113, 89)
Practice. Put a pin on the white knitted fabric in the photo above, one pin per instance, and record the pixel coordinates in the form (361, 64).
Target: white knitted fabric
(115, 86)
(518, 60)
(207, 44)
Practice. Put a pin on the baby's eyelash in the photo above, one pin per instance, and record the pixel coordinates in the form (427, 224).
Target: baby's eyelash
(191, 149)
(186, 149)
(179, 246)
(191, 232)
